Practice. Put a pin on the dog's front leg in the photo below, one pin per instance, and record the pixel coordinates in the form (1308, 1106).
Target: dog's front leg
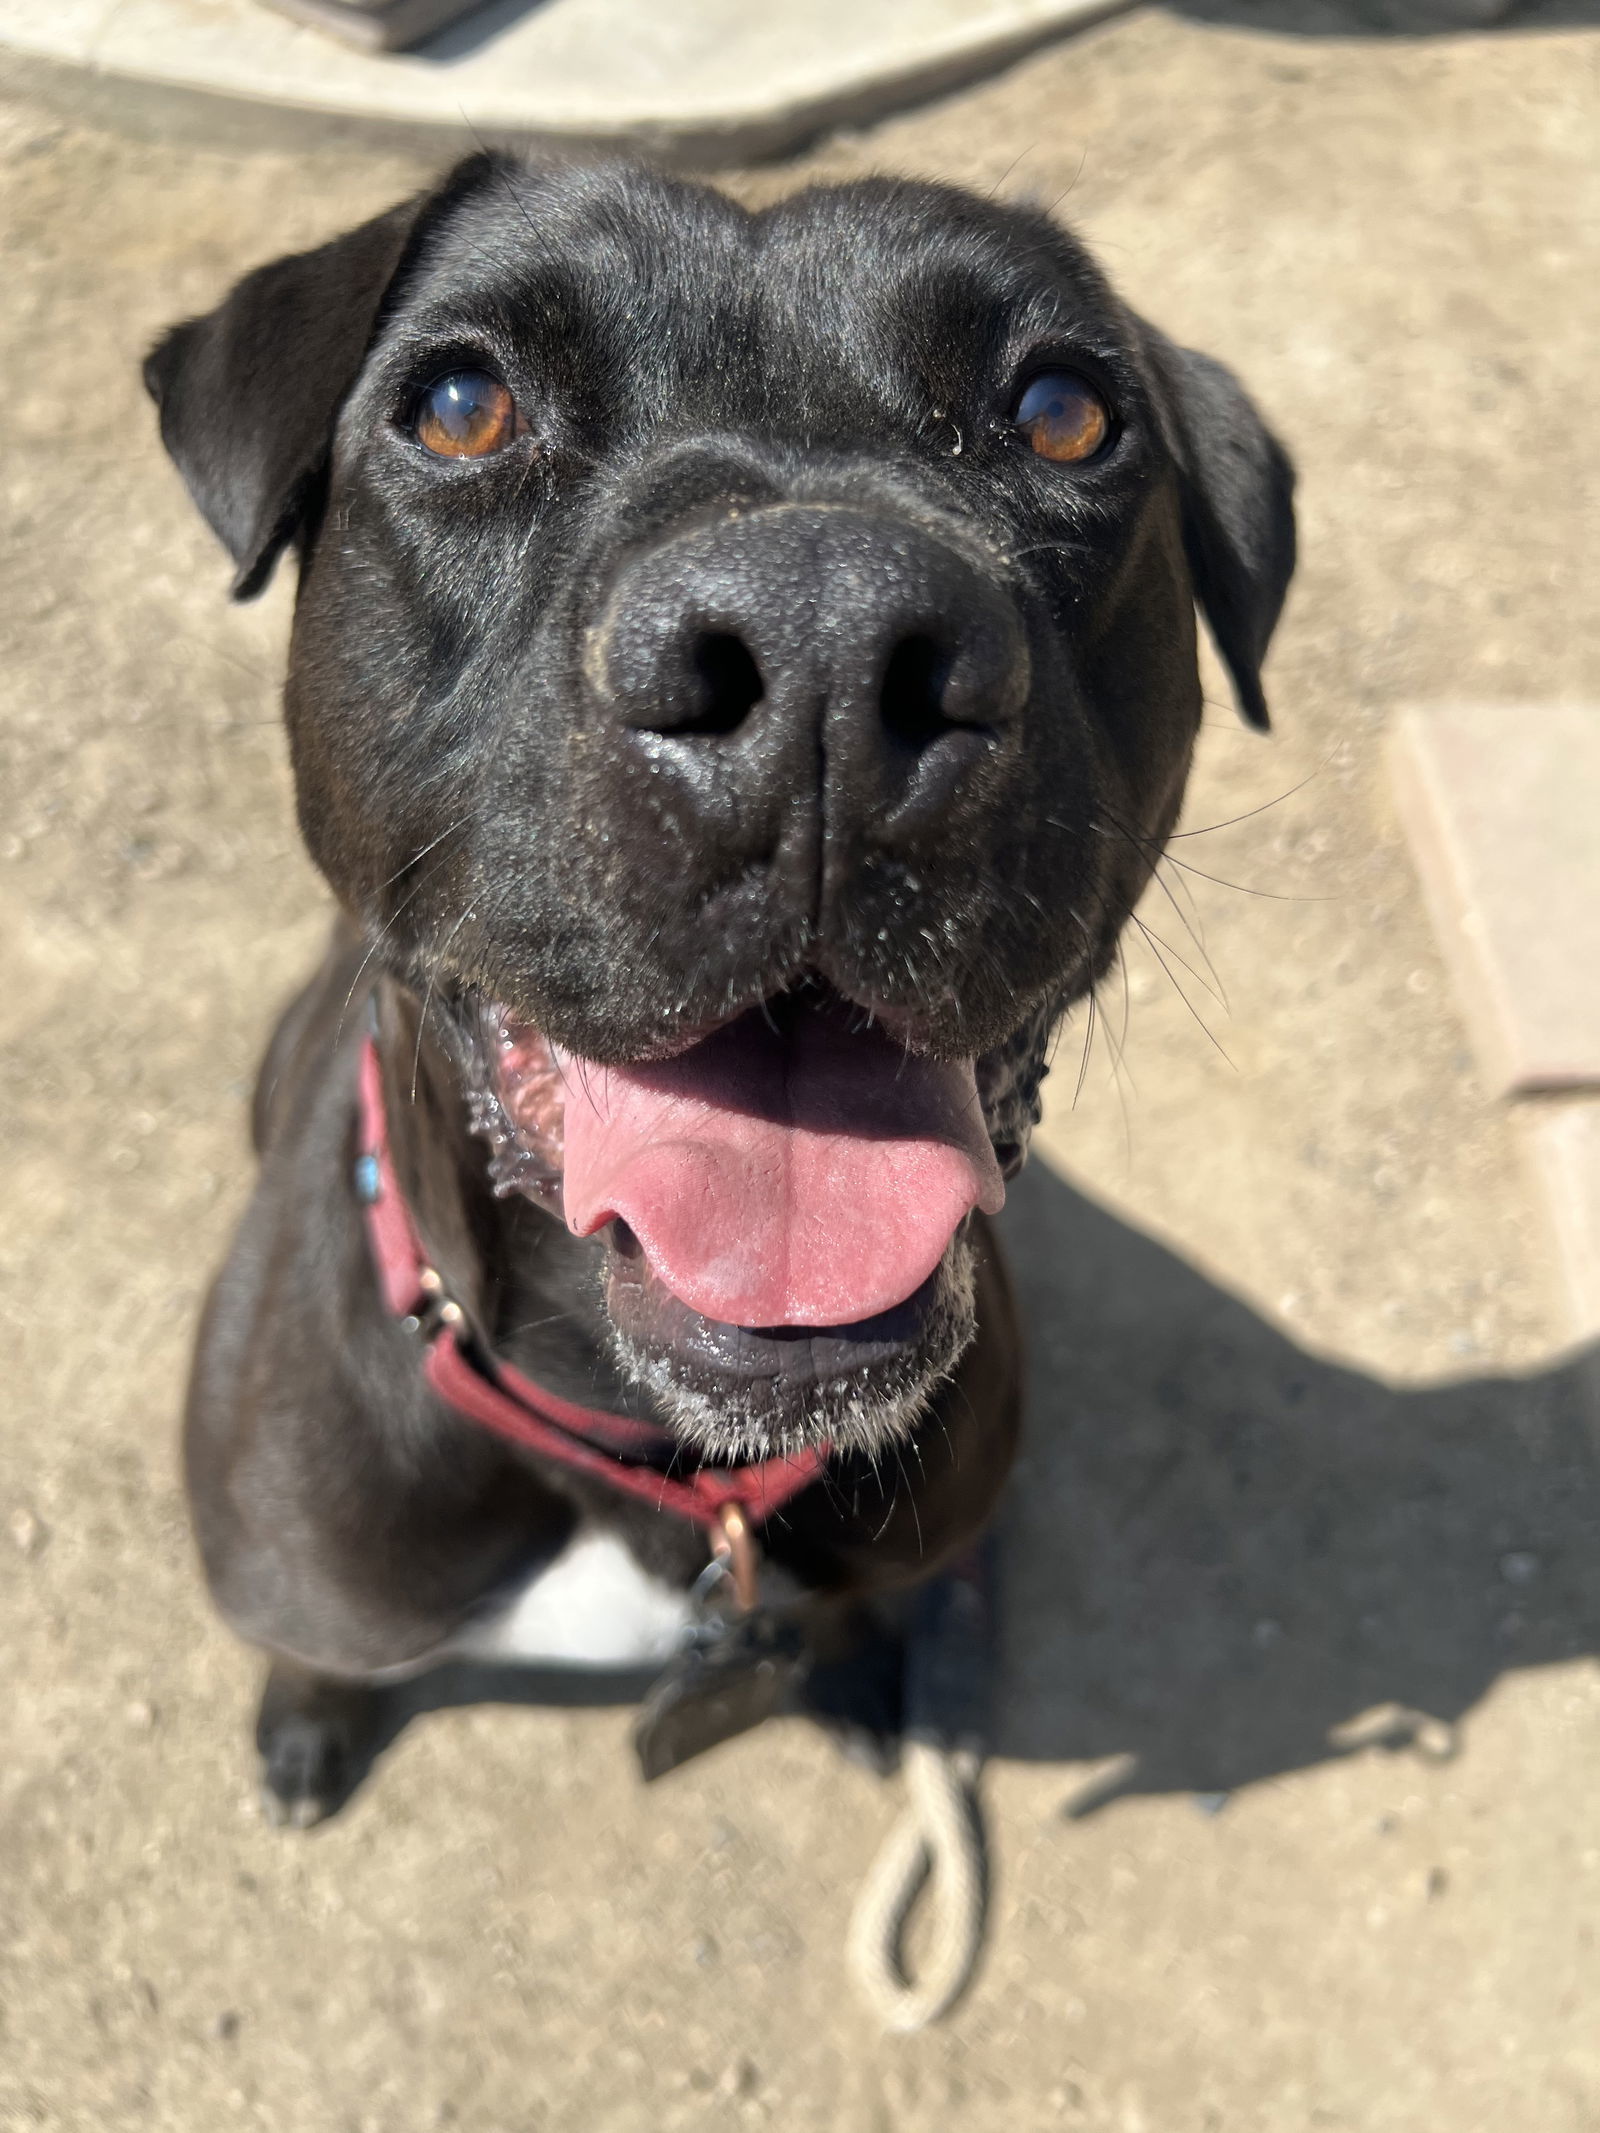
(317, 1737)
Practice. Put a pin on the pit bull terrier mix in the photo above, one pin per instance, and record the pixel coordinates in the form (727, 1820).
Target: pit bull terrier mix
(742, 677)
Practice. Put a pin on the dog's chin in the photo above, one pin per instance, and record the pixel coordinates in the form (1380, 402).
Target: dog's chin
(741, 1393)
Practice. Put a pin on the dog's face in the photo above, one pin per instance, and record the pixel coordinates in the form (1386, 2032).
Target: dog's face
(743, 675)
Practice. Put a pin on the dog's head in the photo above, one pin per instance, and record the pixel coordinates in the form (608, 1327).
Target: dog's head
(743, 675)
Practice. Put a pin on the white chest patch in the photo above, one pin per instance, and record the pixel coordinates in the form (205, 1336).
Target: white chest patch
(593, 1606)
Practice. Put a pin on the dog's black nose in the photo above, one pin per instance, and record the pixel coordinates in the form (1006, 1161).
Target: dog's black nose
(812, 682)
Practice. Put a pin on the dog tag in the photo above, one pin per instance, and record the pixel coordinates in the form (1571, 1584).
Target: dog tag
(732, 1676)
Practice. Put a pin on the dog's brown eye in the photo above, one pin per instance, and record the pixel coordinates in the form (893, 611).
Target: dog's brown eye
(467, 416)
(1063, 418)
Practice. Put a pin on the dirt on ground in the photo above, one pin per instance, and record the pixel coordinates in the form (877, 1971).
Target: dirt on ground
(1292, 1821)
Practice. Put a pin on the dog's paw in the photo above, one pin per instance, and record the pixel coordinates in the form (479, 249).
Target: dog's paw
(877, 1753)
(857, 1697)
(305, 1773)
(316, 1738)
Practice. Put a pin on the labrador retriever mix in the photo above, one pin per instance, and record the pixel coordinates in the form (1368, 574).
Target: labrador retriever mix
(743, 674)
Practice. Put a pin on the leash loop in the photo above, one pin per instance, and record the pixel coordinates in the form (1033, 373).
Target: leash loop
(934, 1852)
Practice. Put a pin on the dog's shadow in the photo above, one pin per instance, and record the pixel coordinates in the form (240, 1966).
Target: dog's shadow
(1226, 1558)
(1223, 1558)
(1339, 19)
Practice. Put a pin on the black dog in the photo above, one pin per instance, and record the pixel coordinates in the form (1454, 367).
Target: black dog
(743, 674)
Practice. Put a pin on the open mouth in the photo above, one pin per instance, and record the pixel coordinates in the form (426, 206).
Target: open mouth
(782, 1206)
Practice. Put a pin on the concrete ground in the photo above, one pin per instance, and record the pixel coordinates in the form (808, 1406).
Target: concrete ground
(1307, 1440)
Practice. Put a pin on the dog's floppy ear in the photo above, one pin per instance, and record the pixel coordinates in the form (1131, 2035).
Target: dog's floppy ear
(1238, 512)
(248, 394)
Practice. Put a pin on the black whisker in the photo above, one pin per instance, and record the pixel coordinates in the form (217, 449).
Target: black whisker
(427, 997)
(1088, 1040)
(1154, 938)
(1184, 997)
(1308, 779)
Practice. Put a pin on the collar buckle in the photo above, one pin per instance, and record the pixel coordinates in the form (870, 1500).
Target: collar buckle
(433, 1310)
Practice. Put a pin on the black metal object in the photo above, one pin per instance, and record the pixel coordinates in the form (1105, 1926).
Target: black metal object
(734, 1673)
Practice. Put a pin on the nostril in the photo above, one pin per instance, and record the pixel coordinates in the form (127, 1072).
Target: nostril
(912, 697)
(728, 684)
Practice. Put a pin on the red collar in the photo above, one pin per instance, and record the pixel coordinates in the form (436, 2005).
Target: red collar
(722, 1499)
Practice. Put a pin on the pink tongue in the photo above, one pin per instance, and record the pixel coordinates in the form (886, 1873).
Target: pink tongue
(811, 1178)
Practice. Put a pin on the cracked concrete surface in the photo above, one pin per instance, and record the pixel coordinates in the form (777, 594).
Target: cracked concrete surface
(1307, 1439)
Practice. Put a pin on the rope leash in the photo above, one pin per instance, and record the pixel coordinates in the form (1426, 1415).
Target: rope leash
(935, 1855)
(935, 1851)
